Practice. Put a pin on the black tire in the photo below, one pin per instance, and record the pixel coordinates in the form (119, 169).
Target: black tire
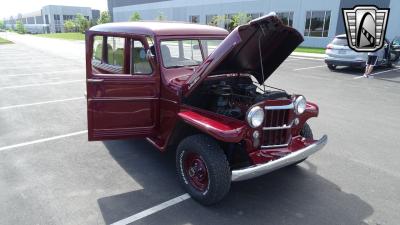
(331, 66)
(307, 133)
(217, 167)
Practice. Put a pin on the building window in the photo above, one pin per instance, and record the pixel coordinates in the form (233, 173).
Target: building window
(47, 19)
(194, 19)
(286, 17)
(317, 23)
(209, 19)
(68, 17)
(255, 15)
(57, 19)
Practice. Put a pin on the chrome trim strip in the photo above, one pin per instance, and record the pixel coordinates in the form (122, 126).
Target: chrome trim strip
(277, 107)
(92, 80)
(275, 146)
(258, 170)
(281, 127)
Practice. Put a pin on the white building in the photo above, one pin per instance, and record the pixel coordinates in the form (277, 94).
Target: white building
(51, 18)
(319, 21)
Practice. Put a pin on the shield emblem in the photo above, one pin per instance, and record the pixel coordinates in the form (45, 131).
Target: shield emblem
(365, 27)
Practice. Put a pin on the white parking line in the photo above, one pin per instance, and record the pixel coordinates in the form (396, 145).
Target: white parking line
(306, 68)
(41, 140)
(292, 59)
(373, 74)
(309, 58)
(42, 73)
(38, 66)
(39, 103)
(40, 84)
(152, 210)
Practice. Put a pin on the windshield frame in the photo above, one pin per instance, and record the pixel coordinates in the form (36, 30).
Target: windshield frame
(187, 38)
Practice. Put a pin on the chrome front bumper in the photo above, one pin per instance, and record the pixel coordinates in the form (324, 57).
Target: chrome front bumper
(258, 170)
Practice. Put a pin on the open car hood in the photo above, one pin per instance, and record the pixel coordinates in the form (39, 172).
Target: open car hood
(239, 51)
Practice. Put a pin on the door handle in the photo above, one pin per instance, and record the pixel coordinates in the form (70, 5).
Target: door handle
(95, 80)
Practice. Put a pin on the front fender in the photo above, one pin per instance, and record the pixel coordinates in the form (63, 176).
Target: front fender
(220, 127)
(312, 110)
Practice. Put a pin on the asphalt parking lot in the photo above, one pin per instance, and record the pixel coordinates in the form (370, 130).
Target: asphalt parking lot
(51, 174)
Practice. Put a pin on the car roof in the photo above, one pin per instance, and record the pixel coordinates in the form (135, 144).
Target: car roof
(160, 28)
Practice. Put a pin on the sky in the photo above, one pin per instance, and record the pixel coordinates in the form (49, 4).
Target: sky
(13, 7)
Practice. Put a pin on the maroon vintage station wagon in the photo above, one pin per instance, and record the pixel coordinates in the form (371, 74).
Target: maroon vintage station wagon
(200, 91)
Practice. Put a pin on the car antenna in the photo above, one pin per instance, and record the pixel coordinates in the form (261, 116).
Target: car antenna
(261, 58)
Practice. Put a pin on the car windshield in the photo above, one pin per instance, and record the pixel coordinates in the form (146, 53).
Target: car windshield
(340, 41)
(181, 53)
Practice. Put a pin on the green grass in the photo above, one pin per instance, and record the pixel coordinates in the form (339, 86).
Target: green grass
(4, 41)
(67, 36)
(310, 50)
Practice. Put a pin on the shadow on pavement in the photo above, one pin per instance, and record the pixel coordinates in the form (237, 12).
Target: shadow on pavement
(295, 195)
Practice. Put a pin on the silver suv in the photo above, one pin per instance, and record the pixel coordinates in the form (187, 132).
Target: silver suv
(339, 54)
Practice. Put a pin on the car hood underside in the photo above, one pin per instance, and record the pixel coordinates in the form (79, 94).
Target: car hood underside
(265, 38)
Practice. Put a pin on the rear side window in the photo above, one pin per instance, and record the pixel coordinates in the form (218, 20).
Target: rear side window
(108, 55)
(117, 55)
(115, 51)
(340, 41)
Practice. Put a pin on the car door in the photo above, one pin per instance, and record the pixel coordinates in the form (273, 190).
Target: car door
(122, 88)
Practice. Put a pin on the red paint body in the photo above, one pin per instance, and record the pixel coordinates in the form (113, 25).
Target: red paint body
(130, 106)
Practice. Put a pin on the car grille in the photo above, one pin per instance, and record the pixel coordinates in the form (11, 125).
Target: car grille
(276, 130)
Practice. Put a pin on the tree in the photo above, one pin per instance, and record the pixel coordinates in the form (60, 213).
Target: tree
(104, 18)
(69, 26)
(81, 23)
(220, 21)
(161, 16)
(2, 26)
(240, 19)
(135, 17)
(20, 27)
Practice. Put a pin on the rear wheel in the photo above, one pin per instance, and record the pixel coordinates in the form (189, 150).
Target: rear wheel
(203, 169)
(307, 133)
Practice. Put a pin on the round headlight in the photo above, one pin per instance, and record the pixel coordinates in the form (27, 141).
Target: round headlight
(255, 116)
(300, 104)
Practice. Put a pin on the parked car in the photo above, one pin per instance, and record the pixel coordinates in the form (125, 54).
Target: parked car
(198, 91)
(340, 54)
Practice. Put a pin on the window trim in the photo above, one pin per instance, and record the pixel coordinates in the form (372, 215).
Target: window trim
(323, 23)
(290, 13)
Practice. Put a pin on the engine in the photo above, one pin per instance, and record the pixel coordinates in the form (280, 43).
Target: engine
(234, 100)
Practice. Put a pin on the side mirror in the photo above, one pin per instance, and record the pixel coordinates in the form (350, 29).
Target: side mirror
(149, 55)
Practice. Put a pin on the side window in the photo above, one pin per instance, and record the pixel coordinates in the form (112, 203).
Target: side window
(108, 55)
(139, 62)
(115, 51)
(209, 46)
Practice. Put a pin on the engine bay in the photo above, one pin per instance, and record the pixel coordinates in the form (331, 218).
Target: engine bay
(232, 96)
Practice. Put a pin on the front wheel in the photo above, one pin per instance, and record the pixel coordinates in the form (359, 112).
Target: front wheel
(331, 66)
(203, 169)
